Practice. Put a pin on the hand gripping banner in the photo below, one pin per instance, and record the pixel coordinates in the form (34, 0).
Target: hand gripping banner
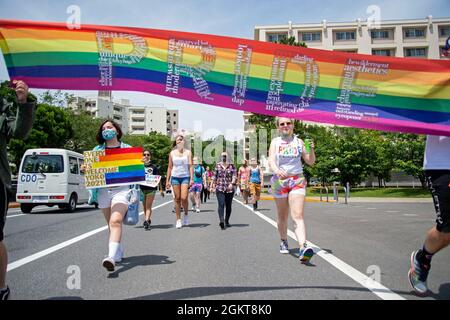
(364, 91)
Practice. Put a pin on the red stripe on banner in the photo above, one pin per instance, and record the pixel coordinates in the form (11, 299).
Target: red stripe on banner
(123, 150)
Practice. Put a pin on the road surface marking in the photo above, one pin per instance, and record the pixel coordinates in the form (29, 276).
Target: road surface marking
(16, 215)
(43, 253)
(376, 287)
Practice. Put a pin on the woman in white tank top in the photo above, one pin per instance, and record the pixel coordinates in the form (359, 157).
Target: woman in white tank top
(289, 185)
(179, 177)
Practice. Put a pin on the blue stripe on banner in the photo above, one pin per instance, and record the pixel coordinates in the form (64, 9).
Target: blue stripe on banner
(120, 175)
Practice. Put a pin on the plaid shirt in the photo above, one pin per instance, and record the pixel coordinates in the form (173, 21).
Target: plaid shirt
(224, 176)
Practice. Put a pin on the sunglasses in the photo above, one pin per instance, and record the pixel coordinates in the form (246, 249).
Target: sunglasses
(146, 154)
(285, 124)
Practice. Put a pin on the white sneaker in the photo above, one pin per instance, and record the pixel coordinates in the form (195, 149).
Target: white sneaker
(178, 224)
(185, 221)
(193, 209)
(109, 264)
(197, 210)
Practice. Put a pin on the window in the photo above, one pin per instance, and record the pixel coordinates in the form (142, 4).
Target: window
(73, 165)
(276, 37)
(415, 52)
(174, 114)
(345, 35)
(117, 118)
(174, 122)
(414, 33)
(43, 164)
(382, 52)
(117, 109)
(444, 32)
(312, 36)
(380, 34)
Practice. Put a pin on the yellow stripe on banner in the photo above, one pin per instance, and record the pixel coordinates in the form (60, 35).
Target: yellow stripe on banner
(118, 163)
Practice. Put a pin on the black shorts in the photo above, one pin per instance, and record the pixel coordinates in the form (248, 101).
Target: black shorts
(3, 208)
(438, 182)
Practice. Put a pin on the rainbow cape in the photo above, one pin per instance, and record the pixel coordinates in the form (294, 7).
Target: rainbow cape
(382, 93)
(113, 167)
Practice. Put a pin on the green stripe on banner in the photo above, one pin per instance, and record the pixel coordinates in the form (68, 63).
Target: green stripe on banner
(132, 168)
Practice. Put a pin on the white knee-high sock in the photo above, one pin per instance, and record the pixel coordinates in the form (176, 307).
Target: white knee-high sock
(113, 247)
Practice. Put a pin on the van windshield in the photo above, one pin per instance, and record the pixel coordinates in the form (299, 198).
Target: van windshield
(43, 164)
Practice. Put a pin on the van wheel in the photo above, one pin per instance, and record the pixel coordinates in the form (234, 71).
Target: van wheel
(26, 208)
(72, 203)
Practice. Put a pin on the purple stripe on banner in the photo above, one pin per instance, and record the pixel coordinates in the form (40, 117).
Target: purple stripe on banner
(125, 180)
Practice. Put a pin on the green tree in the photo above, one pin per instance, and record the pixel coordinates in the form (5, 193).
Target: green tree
(85, 129)
(408, 150)
(160, 146)
(56, 98)
(290, 41)
(51, 129)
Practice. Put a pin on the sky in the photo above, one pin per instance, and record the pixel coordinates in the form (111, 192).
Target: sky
(219, 17)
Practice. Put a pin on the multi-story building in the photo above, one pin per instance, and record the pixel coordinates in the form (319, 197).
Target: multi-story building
(418, 38)
(415, 38)
(132, 119)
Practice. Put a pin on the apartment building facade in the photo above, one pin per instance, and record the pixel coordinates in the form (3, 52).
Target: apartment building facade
(139, 120)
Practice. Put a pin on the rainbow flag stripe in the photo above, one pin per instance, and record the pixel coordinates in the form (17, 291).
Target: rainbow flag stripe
(382, 93)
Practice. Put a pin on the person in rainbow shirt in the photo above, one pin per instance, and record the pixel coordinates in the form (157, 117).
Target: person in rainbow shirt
(288, 183)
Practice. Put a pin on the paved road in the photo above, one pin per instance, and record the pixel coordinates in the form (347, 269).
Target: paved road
(356, 243)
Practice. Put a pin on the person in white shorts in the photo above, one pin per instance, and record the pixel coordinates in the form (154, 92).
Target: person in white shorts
(113, 201)
(288, 183)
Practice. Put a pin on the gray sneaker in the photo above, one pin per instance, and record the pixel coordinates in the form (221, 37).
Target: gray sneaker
(4, 294)
(284, 248)
(418, 274)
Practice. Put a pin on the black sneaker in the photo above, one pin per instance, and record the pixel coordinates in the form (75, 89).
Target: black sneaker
(4, 294)
(222, 226)
(145, 224)
(227, 224)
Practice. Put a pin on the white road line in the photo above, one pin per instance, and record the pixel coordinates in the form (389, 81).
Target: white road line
(410, 215)
(43, 253)
(374, 286)
(16, 215)
(392, 211)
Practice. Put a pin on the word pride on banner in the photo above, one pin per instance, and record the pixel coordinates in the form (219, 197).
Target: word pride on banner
(382, 93)
(113, 167)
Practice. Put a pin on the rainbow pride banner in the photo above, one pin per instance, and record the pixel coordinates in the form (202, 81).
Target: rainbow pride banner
(113, 167)
(364, 91)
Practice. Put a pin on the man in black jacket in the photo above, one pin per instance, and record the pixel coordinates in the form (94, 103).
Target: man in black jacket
(11, 127)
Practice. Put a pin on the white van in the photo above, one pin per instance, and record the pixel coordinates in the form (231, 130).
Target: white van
(51, 177)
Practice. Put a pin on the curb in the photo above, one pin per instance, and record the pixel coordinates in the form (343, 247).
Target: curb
(307, 199)
(14, 205)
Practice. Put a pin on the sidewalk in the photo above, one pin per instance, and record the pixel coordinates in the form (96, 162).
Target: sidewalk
(359, 199)
(14, 205)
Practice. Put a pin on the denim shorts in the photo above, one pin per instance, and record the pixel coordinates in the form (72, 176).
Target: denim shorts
(177, 181)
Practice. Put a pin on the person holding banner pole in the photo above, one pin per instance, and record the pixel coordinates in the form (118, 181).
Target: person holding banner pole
(149, 192)
(113, 201)
(437, 175)
(289, 184)
(19, 128)
(180, 178)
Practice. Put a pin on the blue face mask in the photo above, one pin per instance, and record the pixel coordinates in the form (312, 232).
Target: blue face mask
(108, 134)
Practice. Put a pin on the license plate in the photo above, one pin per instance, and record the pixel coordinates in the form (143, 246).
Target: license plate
(40, 198)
